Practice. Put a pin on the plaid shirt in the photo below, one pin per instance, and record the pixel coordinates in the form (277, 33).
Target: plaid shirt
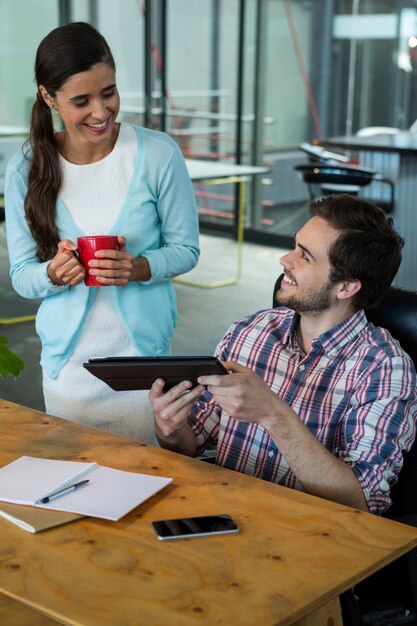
(355, 391)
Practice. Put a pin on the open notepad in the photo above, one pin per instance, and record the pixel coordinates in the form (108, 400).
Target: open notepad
(110, 493)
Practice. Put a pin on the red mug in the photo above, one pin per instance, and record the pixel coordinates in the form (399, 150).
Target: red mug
(87, 246)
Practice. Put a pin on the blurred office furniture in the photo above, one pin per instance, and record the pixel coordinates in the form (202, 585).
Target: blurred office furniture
(215, 173)
(370, 131)
(390, 597)
(328, 172)
(9, 144)
(395, 157)
(318, 153)
(11, 140)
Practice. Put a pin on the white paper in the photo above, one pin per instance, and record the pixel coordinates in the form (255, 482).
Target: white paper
(110, 493)
(19, 522)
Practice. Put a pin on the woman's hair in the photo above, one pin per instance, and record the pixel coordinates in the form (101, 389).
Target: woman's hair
(65, 51)
(368, 248)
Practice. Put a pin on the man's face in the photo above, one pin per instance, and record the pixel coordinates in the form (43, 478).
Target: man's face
(305, 286)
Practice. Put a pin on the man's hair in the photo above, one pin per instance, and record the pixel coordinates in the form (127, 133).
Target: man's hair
(368, 248)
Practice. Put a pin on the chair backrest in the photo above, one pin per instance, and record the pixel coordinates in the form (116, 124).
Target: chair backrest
(397, 312)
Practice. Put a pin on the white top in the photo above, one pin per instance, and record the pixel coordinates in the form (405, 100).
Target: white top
(94, 194)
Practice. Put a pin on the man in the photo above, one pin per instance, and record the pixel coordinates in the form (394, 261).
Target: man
(317, 398)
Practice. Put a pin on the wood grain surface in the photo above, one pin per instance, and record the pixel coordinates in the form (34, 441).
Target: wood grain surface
(294, 555)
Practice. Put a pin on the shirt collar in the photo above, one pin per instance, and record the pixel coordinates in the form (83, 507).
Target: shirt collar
(342, 334)
(336, 337)
(288, 329)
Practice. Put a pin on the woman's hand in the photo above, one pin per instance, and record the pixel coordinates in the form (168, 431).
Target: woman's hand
(117, 267)
(65, 268)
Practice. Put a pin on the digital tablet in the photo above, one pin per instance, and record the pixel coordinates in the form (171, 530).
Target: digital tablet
(128, 373)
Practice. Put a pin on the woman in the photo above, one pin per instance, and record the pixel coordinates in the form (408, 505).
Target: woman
(96, 176)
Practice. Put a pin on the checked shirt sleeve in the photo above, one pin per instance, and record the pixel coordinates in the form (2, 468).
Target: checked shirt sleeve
(379, 427)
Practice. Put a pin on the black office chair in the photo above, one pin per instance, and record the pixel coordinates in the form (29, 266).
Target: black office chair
(328, 172)
(389, 597)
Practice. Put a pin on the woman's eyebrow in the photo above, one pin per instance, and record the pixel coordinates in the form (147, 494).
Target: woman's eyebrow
(82, 96)
(79, 97)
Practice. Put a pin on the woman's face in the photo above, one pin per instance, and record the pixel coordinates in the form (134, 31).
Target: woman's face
(88, 104)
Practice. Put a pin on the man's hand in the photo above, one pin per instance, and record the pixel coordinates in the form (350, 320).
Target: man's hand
(171, 410)
(243, 394)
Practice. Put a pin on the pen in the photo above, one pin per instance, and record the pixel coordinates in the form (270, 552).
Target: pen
(63, 492)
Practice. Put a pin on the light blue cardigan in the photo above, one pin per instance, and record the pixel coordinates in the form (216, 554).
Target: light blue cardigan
(159, 220)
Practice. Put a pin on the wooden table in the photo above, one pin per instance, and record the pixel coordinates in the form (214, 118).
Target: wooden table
(294, 556)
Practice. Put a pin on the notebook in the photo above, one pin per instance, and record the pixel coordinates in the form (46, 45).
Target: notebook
(34, 519)
(109, 494)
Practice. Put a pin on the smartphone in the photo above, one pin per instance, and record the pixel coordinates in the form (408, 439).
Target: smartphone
(186, 528)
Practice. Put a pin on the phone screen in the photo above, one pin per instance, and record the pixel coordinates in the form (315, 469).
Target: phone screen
(186, 528)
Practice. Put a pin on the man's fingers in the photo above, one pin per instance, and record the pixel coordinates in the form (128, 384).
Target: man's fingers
(157, 389)
(225, 381)
(214, 379)
(176, 392)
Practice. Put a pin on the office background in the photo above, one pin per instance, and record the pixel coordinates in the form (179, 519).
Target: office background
(243, 81)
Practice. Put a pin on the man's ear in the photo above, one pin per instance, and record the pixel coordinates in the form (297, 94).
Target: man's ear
(348, 289)
(45, 95)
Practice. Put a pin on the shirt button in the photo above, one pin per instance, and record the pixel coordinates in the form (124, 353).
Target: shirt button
(302, 368)
(270, 454)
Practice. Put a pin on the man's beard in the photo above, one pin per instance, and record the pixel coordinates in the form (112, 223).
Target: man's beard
(311, 301)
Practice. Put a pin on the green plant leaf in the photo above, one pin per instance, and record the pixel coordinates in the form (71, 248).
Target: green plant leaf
(10, 363)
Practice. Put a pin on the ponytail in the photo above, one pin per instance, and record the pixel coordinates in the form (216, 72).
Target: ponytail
(64, 52)
(44, 181)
